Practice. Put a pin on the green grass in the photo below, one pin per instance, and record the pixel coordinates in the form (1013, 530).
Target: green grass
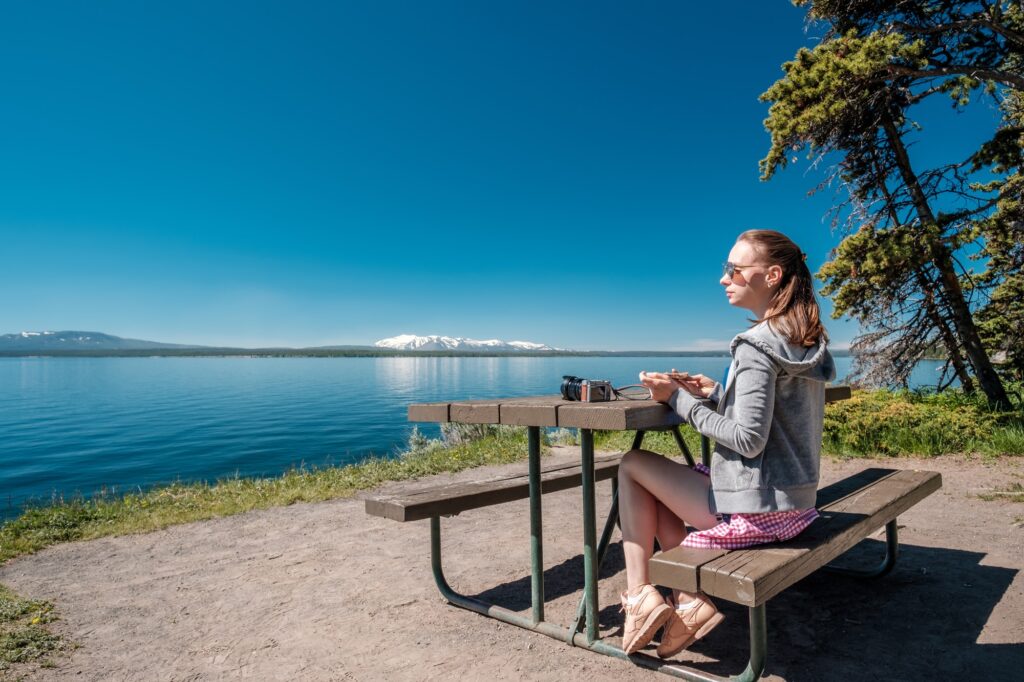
(659, 441)
(24, 637)
(921, 424)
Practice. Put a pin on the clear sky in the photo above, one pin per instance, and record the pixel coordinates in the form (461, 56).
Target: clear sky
(314, 173)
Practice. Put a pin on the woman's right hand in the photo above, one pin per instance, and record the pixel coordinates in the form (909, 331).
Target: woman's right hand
(696, 384)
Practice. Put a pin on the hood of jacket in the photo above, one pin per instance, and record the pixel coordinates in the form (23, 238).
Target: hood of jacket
(813, 363)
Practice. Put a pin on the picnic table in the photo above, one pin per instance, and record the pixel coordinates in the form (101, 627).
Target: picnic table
(862, 503)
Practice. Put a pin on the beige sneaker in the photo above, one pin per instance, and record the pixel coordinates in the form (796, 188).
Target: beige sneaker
(686, 626)
(646, 611)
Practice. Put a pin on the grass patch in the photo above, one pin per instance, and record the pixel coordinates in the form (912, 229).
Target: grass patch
(659, 441)
(24, 637)
(919, 423)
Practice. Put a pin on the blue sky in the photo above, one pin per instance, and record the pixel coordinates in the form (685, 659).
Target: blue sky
(310, 173)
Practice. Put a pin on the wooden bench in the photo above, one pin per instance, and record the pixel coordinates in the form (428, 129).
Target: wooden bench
(416, 502)
(851, 510)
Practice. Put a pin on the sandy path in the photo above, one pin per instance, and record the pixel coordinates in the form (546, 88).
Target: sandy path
(324, 592)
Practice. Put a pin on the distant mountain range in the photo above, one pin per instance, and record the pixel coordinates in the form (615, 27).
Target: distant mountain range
(73, 340)
(80, 341)
(100, 344)
(413, 342)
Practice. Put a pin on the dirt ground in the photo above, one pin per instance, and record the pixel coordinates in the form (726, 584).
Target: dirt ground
(325, 592)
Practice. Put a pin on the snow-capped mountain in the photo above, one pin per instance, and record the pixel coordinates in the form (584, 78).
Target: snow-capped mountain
(413, 342)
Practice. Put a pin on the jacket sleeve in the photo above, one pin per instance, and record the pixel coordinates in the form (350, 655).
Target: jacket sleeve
(716, 393)
(746, 432)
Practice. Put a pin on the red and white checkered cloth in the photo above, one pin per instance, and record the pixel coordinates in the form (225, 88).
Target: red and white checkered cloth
(747, 530)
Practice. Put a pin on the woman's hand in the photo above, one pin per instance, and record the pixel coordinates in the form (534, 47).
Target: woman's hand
(700, 385)
(663, 386)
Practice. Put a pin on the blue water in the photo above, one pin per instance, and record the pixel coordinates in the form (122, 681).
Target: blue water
(77, 425)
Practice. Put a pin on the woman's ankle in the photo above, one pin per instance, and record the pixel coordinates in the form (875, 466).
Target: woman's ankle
(680, 598)
(635, 589)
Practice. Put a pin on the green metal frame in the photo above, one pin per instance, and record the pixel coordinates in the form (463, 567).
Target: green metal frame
(757, 628)
(892, 549)
(593, 555)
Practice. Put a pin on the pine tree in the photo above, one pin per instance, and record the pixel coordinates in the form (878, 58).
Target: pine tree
(900, 267)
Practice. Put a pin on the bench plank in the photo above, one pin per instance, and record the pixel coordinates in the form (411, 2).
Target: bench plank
(425, 502)
(850, 510)
(680, 567)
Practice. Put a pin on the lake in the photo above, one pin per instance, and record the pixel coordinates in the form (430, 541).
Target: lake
(76, 425)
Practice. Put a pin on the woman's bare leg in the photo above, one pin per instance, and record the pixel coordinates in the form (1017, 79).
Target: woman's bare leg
(648, 481)
(671, 533)
(671, 530)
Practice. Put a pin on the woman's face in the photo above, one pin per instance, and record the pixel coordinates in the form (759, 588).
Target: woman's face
(752, 283)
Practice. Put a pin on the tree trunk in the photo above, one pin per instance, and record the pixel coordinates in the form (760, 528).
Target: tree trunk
(948, 338)
(988, 380)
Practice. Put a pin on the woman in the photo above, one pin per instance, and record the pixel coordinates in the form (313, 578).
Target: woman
(766, 423)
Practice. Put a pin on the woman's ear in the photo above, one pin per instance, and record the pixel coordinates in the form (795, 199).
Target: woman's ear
(773, 276)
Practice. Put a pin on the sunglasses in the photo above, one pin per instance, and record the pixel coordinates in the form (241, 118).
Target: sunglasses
(730, 269)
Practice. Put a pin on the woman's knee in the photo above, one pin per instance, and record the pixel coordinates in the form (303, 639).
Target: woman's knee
(633, 461)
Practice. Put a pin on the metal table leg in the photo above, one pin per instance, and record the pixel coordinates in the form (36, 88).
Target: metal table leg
(589, 532)
(602, 545)
(682, 445)
(536, 527)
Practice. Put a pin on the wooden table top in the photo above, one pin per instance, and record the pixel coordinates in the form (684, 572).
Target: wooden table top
(553, 410)
(550, 410)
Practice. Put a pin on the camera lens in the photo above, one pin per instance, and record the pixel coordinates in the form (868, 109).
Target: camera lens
(571, 387)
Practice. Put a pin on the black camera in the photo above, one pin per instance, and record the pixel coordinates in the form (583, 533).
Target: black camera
(586, 390)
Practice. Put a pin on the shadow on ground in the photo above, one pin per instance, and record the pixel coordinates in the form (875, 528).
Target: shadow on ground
(921, 622)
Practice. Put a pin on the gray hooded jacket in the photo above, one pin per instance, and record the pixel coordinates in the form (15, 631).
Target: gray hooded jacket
(766, 423)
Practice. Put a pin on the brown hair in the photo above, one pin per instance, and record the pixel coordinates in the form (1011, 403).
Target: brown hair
(793, 309)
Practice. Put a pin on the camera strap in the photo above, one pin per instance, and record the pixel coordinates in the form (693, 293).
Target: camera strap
(639, 393)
